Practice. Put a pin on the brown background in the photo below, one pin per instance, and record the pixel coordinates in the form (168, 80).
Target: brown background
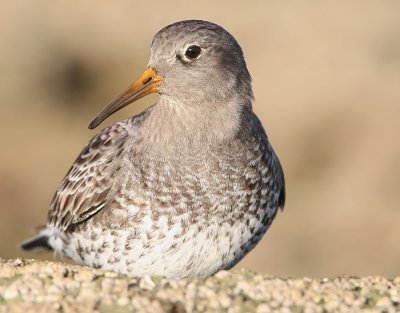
(327, 86)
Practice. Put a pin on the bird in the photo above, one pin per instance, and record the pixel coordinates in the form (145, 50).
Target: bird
(185, 188)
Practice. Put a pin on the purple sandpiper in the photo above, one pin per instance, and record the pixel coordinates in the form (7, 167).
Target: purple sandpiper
(185, 188)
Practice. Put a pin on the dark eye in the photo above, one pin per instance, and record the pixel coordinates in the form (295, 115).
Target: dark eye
(193, 52)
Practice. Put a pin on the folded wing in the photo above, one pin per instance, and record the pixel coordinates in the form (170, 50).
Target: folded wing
(85, 189)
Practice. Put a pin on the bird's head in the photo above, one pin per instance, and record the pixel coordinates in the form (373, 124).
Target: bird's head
(192, 63)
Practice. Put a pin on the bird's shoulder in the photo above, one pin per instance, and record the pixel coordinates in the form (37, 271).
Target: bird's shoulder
(84, 189)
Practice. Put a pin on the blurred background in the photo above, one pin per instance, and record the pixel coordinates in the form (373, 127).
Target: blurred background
(327, 85)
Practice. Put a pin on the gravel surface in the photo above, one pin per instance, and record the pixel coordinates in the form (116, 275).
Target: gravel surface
(37, 286)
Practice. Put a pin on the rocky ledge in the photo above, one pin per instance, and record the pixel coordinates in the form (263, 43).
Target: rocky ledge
(37, 286)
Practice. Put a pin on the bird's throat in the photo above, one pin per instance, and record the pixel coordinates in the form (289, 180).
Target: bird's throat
(179, 127)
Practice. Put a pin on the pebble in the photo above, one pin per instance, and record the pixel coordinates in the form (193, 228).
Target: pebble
(123, 301)
(9, 294)
(147, 283)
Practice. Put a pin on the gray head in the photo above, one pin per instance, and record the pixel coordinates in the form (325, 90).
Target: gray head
(201, 61)
(193, 63)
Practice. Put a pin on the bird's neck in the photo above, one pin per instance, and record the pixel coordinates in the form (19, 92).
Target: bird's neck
(172, 126)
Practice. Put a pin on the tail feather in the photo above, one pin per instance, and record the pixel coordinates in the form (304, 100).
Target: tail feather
(39, 242)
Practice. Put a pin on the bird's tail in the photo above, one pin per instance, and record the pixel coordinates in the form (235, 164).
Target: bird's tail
(38, 242)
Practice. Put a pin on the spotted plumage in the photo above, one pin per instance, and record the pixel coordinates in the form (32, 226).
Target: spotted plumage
(187, 187)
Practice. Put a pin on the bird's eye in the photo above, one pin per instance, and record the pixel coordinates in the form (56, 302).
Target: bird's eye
(193, 52)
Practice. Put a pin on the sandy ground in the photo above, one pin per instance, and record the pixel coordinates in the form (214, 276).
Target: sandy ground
(326, 79)
(33, 286)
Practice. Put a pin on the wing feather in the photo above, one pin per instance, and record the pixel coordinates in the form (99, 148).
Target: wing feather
(85, 188)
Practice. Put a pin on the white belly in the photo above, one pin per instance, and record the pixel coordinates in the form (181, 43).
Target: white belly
(157, 248)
